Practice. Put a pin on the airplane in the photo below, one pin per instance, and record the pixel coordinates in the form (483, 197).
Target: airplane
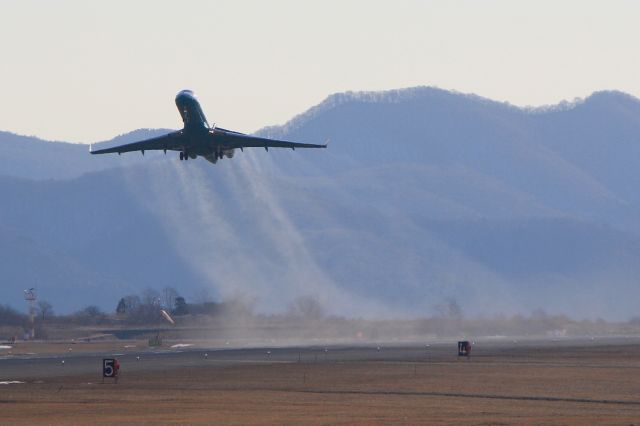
(197, 138)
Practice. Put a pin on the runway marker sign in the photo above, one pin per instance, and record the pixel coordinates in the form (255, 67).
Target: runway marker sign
(108, 367)
(464, 348)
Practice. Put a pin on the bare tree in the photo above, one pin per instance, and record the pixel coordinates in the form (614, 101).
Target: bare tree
(9, 316)
(122, 307)
(181, 307)
(89, 315)
(44, 309)
(169, 295)
(131, 302)
(150, 297)
(450, 309)
(306, 307)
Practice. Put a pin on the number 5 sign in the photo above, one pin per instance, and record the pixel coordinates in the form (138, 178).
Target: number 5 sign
(108, 367)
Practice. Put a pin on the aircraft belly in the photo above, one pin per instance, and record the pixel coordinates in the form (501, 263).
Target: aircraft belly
(200, 145)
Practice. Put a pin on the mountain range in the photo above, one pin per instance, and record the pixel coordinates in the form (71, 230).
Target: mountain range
(424, 197)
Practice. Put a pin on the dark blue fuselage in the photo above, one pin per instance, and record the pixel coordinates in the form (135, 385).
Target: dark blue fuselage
(190, 111)
(196, 127)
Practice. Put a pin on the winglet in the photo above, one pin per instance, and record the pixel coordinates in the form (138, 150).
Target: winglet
(326, 143)
(90, 148)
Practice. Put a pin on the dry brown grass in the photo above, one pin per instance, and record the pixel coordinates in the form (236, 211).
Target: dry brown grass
(599, 385)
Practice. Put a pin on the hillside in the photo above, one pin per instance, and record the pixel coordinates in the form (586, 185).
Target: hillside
(32, 158)
(424, 196)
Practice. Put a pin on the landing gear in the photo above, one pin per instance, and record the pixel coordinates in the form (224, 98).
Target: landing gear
(184, 156)
(181, 156)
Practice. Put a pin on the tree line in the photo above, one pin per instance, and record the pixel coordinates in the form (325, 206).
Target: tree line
(143, 308)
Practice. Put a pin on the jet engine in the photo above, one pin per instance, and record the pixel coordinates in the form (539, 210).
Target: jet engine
(212, 158)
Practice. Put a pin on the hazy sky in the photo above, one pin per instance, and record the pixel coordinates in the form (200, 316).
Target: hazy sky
(86, 71)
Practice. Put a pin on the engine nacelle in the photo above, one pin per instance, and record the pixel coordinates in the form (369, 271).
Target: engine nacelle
(212, 158)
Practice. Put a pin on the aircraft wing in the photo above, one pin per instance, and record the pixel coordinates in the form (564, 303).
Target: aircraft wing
(231, 139)
(170, 141)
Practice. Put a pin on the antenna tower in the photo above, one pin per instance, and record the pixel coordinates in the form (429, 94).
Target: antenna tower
(30, 297)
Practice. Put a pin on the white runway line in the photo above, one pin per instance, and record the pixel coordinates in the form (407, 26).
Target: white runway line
(182, 345)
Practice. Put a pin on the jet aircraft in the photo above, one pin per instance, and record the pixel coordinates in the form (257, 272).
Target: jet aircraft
(197, 138)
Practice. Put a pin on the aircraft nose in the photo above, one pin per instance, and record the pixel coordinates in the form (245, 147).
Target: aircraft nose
(184, 94)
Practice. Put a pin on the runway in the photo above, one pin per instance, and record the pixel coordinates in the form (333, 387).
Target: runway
(35, 366)
(549, 382)
(82, 359)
